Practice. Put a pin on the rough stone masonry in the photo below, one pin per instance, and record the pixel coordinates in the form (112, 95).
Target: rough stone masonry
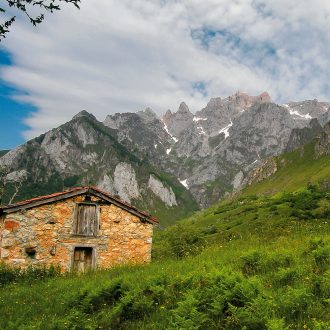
(77, 229)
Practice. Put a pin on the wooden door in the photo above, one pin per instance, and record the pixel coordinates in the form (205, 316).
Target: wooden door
(86, 220)
(82, 259)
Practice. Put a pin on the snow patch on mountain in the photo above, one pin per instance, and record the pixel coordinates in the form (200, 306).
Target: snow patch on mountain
(168, 132)
(184, 183)
(198, 118)
(225, 130)
(296, 113)
(201, 130)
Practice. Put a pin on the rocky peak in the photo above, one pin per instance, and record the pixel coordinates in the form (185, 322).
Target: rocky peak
(84, 113)
(244, 100)
(183, 109)
(147, 115)
(167, 117)
(214, 102)
(264, 98)
(110, 122)
(178, 121)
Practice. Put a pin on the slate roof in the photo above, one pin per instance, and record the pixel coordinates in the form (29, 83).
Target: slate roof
(76, 191)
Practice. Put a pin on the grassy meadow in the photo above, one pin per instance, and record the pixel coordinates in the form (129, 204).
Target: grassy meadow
(259, 260)
(246, 263)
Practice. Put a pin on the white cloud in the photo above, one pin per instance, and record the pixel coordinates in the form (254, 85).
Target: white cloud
(116, 56)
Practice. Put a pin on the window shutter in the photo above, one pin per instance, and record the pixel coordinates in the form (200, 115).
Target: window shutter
(86, 220)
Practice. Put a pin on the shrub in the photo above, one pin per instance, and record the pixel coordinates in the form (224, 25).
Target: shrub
(256, 262)
(294, 303)
(276, 324)
(322, 257)
(108, 296)
(184, 241)
(285, 276)
(10, 274)
(321, 254)
(216, 300)
(321, 286)
(251, 263)
(209, 230)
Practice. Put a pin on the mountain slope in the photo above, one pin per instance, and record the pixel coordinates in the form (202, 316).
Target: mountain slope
(83, 152)
(291, 171)
(170, 165)
(247, 262)
(214, 151)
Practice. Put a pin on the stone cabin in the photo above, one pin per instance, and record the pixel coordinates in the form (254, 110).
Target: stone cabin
(77, 229)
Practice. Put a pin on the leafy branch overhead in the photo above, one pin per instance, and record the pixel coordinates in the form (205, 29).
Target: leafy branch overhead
(25, 6)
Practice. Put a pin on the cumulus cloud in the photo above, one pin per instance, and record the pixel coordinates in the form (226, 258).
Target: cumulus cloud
(117, 56)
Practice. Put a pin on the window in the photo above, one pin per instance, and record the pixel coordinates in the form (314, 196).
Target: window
(31, 252)
(82, 259)
(86, 220)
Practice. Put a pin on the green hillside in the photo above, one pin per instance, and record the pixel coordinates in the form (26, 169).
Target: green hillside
(258, 263)
(260, 260)
(295, 169)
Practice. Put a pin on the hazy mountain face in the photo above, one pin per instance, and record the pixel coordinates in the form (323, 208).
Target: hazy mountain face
(163, 164)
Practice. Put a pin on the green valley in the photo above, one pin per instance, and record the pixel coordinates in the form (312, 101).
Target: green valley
(258, 260)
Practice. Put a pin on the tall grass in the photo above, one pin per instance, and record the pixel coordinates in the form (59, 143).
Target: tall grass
(249, 263)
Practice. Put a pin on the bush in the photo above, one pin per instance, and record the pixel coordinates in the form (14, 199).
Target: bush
(184, 241)
(10, 274)
(285, 276)
(294, 303)
(251, 263)
(209, 230)
(321, 254)
(256, 262)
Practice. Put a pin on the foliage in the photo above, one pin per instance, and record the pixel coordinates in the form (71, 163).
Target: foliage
(70, 181)
(25, 6)
(246, 263)
(14, 274)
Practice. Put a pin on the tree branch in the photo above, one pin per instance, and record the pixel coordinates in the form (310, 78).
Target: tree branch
(25, 6)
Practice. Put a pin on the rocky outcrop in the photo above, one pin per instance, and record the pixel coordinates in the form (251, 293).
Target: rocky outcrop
(106, 184)
(16, 176)
(264, 171)
(164, 193)
(301, 136)
(322, 145)
(125, 182)
(307, 109)
(238, 180)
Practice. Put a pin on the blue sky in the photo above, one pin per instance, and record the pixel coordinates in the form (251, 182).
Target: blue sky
(12, 112)
(118, 56)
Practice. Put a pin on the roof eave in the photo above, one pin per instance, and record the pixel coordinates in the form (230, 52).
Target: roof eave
(84, 190)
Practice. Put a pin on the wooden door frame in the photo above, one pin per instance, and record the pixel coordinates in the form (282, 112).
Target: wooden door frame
(94, 254)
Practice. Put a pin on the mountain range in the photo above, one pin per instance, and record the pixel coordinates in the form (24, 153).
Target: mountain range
(170, 165)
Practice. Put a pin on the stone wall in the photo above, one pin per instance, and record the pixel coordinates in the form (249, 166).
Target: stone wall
(48, 229)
